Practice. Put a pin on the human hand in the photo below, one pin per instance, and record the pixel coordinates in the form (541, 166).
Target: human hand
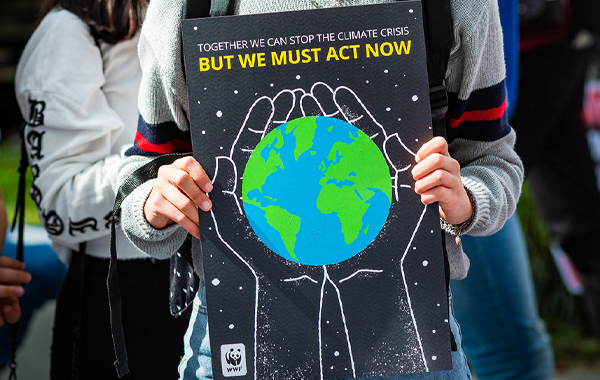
(437, 177)
(180, 189)
(11, 278)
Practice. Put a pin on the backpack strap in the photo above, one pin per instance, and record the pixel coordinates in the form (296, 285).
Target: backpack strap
(137, 178)
(439, 37)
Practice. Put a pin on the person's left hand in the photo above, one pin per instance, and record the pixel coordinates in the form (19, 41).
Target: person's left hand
(437, 177)
(12, 275)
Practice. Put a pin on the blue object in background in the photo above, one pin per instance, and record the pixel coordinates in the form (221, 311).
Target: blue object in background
(47, 273)
(509, 18)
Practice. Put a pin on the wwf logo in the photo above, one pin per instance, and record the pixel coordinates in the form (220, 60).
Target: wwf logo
(233, 360)
(233, 357)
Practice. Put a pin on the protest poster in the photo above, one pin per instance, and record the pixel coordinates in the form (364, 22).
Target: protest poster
(320, 261)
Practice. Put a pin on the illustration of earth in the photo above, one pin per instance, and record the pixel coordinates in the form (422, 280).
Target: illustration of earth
(316, 190)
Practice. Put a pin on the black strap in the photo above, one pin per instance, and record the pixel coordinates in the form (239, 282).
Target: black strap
(137, 178)
(439, 37)
(19, 219)
(78, 258)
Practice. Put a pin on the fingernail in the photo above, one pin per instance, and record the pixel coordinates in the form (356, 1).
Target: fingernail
(205, 206)
(208, 188)
(19, 292)
(27, 277)
(417, 159)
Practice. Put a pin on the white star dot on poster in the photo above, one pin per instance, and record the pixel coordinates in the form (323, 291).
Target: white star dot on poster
(415, 98)
(219, 113)
(410, 11)
(367, 81)
(235, 92)
(425, 263)
(386, 71)
(216, 282)
(434, 357)
(195, 28)
(198, 102)
(231, 326)
(271, 85)
(388, 109)
(297, 76)
(203, 132)
(337, 353)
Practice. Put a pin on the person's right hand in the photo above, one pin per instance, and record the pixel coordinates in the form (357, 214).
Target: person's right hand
(12, 275)
(179, 191)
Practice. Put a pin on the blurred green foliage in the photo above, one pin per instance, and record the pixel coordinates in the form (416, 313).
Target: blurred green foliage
(572, 337)
(10, 154)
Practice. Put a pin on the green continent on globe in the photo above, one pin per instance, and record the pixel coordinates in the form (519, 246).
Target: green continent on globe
(349, 178)
(287, 224)
(257, 169)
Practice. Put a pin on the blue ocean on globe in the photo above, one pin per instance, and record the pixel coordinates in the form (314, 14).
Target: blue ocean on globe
(316, 190)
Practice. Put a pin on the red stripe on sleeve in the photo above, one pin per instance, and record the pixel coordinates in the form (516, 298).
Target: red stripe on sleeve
(168, 147)
(481, 115)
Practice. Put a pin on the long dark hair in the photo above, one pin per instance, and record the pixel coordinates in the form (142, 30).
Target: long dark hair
(111, 21)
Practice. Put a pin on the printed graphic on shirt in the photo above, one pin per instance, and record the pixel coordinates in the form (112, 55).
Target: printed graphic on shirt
(35, 171)
(53, 223)
(36, 195)
(34, 139)
(36, 112)
(318, 255)
(108, 219)
(82, 225)
(233, 360)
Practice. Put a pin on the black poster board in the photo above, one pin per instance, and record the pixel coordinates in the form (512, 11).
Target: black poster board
(320, 261)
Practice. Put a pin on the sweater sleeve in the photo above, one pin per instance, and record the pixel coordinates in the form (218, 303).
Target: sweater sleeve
(163, 126)
(479, 135)
(71, 129)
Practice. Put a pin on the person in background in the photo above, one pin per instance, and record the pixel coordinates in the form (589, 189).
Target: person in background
(76, 85)
(158, 215)
(12, 276)
(556, 45)
(503, 334)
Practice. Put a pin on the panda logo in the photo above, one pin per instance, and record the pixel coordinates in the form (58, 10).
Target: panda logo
(233, 360)
(233, 357)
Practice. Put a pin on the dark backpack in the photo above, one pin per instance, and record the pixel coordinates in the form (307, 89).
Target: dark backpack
(439, 38)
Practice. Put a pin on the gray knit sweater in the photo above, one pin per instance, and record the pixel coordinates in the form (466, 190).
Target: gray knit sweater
(479, 136)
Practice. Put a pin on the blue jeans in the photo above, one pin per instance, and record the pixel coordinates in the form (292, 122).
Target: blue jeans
(503, 334)
(196, 362)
